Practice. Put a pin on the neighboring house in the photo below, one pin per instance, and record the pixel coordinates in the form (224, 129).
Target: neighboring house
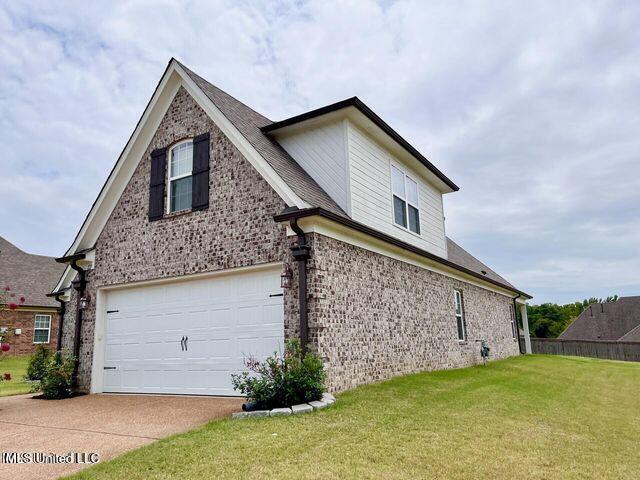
(30, 276)
(612, 321)
(219, 233)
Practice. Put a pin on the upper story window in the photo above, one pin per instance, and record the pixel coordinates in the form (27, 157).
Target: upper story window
(406, 211)
(180, 182)
(42, 329)
(460, 320)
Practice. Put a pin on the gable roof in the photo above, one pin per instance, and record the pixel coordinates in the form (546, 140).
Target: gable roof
(31, 276)
(359, 105)
(606, 321)
(248, 130)
(631, 335)
(249, 123)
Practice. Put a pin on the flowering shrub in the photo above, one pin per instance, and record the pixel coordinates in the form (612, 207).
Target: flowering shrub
(282, 381)
(8, 300)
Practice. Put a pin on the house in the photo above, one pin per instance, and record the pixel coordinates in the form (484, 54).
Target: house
(36, 320)
(611, 321)
(219, 233)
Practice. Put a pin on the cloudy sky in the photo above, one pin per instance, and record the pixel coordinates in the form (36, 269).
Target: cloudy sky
(533, 111)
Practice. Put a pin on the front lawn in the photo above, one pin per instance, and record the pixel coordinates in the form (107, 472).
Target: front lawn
(526, 417)
(17, 367)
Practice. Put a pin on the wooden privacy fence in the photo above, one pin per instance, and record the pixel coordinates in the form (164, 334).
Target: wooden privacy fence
(628, 351)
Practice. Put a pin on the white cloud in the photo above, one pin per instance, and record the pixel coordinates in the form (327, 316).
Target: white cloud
(533, 111)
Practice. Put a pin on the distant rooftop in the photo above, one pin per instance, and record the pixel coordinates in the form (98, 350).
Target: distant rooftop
(619, 320)
(31, 276)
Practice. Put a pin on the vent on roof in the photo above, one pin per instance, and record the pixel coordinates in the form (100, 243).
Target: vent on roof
(484, 272)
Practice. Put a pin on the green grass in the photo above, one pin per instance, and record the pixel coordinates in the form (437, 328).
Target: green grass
(537, 417)
(17, 367)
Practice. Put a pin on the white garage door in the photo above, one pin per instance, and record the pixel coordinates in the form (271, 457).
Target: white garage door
(189, 337)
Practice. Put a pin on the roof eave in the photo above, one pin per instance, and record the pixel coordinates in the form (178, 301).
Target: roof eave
(372, 116)
(290, 214)
(71, 258)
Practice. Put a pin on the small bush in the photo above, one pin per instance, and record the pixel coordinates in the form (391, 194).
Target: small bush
(58, 376)
(282, 381)
(38, 363)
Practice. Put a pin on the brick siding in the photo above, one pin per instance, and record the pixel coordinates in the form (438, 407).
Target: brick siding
(373, 317)
(237, 229)
(25, 320)
(393, 318)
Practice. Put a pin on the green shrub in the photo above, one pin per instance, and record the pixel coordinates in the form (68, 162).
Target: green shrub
(58, 376)
(282, 381)
(38, 363)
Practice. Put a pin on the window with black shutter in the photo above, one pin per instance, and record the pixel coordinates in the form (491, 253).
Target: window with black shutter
(180, 173)
(200, 183)
(186, 175)
(156, 183)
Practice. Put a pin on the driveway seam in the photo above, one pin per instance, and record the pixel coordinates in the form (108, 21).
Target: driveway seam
(79, 430)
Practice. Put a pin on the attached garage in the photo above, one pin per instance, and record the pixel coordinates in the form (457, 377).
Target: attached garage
(189, 336)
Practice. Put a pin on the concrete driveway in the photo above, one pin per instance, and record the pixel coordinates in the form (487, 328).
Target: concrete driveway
(108, 425)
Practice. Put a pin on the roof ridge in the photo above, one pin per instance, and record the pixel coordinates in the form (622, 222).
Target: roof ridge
(24, 252)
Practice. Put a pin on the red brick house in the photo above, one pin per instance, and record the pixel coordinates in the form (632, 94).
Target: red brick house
(30, 276)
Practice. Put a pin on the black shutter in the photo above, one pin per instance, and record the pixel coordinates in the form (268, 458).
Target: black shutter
(156, 183)
(200, 179)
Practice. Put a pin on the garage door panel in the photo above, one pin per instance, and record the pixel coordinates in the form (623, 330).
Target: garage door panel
(208, 348)
(112, 379)
(113, 350)
(198, 319)
(119, 325)
(221, 316)
(225, 319)
(258, 347)
(249, 314)
(272, 314)
(158, 351)
(177, 293)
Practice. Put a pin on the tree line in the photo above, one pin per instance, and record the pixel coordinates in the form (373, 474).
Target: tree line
(549, 320)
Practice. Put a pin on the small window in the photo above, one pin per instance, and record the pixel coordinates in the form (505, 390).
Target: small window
(461, 323)
(406, 212)
(42, 329)
(180, 181)
(514, 324)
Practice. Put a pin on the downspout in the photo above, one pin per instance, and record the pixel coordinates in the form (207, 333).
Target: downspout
(301, 251)
(515, 319)
(79, 285)
(63, 310)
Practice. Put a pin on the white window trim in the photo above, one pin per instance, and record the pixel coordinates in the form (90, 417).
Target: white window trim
(514, 325)
(47, 329)
(178, 177)
(461, 316)
(393, 165)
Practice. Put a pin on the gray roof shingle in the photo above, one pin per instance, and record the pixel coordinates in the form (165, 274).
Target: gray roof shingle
(460, 256)
(32, 276)
(248, 122)
(607, 321)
